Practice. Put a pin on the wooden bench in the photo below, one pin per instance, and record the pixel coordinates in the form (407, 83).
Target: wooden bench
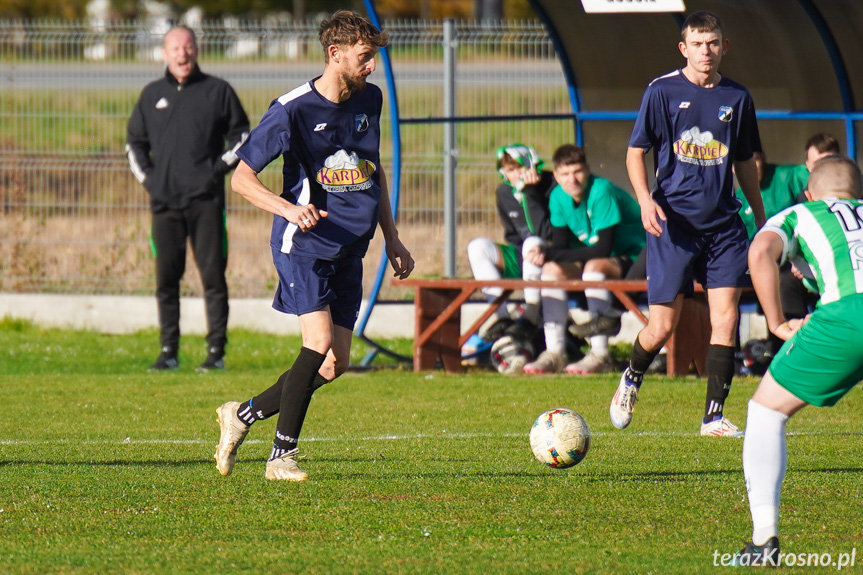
(437, 313)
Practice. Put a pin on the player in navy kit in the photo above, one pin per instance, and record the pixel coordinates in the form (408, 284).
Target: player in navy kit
(328, 132)
(699, 124)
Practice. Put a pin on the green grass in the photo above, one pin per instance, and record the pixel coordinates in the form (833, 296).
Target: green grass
(107, 468)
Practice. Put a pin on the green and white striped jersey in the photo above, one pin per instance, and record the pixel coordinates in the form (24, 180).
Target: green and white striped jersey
(824, 240)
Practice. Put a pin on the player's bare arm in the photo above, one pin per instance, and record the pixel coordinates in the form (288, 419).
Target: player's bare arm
(747, 176)
(246, 183)
(398, 255)
(651, 213)
(764, 253)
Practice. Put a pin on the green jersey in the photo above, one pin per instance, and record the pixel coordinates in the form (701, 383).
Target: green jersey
(604, 205)
(779, 190)
(824, 240)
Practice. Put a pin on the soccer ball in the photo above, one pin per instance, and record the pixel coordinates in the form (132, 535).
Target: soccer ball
(509, 354)
(560, 438)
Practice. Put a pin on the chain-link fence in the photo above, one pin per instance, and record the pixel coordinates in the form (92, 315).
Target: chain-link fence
(74, 220)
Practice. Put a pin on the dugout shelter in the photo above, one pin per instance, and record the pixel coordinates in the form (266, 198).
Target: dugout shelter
(802, 61)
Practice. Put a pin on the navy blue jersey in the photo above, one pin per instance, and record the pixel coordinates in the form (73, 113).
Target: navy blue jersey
(696, 134)
(332, 160)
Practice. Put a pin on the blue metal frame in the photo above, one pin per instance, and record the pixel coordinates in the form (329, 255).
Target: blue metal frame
(568, 69)
(394, 187)
(839, 68)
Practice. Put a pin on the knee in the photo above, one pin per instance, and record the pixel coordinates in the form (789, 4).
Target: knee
(333, 367)
(552, 271)
(530, 243)
(319, 342)
(660, 330)
(481, 250)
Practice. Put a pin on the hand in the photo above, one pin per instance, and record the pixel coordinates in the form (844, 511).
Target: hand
(796, 272)
(651, 213)
(788, 328)
(535, 255)
(305, 217)
(530, 177)
(400, 258)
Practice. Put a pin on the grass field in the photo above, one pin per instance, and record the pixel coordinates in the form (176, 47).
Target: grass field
(107, 468)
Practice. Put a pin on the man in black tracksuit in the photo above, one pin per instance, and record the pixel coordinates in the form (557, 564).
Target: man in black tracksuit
(182, 139)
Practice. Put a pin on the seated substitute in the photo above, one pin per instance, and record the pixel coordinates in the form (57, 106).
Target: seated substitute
(597, 233)
(522, 203)
(819, 363)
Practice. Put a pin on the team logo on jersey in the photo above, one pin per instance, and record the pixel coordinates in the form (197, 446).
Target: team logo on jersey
(162, 104)
(345, 172)
(726, 113)
(697, 147)
(362, 122)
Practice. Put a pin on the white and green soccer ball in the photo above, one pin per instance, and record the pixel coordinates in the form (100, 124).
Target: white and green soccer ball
(560, 438)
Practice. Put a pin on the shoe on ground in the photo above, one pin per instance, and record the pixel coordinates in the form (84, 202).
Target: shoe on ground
(623, 402)
(167, 360)
(285, 468)
(720, 428)
(752, 555)
(547, 362)
(495, 330)
(599, 325)
(233, 432)
(591, 363)
(215, 360)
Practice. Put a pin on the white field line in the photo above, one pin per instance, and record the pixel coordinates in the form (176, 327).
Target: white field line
(441, 435)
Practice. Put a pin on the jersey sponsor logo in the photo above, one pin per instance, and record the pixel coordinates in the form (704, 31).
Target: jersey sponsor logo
(162, 104)
(320, 127)
(345, 172)
(684, 105)
(514, 214)
(726, 113)
(699, 148)
(362, 122)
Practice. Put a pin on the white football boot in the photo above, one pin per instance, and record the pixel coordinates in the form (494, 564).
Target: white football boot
(623, 402)
(720, 428)
(233, 433)
(285, 468)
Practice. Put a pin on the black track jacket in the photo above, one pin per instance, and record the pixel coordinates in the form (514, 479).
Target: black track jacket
(528, 217)
(177, 135)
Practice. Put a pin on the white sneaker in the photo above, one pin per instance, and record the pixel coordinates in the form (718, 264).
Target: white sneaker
(547, 362)
(623, 402)
(233, 433)
(286, 468)
(720, 428)
(591, 363)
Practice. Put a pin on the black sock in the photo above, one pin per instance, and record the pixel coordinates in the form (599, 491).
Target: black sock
(720, 370)
(639, 362)
(266, 404)
(299, 385)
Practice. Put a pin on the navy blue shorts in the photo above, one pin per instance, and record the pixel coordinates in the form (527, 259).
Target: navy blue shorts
(678, 256)
(309, 284)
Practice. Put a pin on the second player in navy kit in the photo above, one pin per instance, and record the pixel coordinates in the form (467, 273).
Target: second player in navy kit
(699, 124)
(334, 187)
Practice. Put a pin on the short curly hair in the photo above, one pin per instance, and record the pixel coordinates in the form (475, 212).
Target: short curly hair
(346, 28)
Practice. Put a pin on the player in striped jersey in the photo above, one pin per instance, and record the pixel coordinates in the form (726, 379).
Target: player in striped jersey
(821, 359)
